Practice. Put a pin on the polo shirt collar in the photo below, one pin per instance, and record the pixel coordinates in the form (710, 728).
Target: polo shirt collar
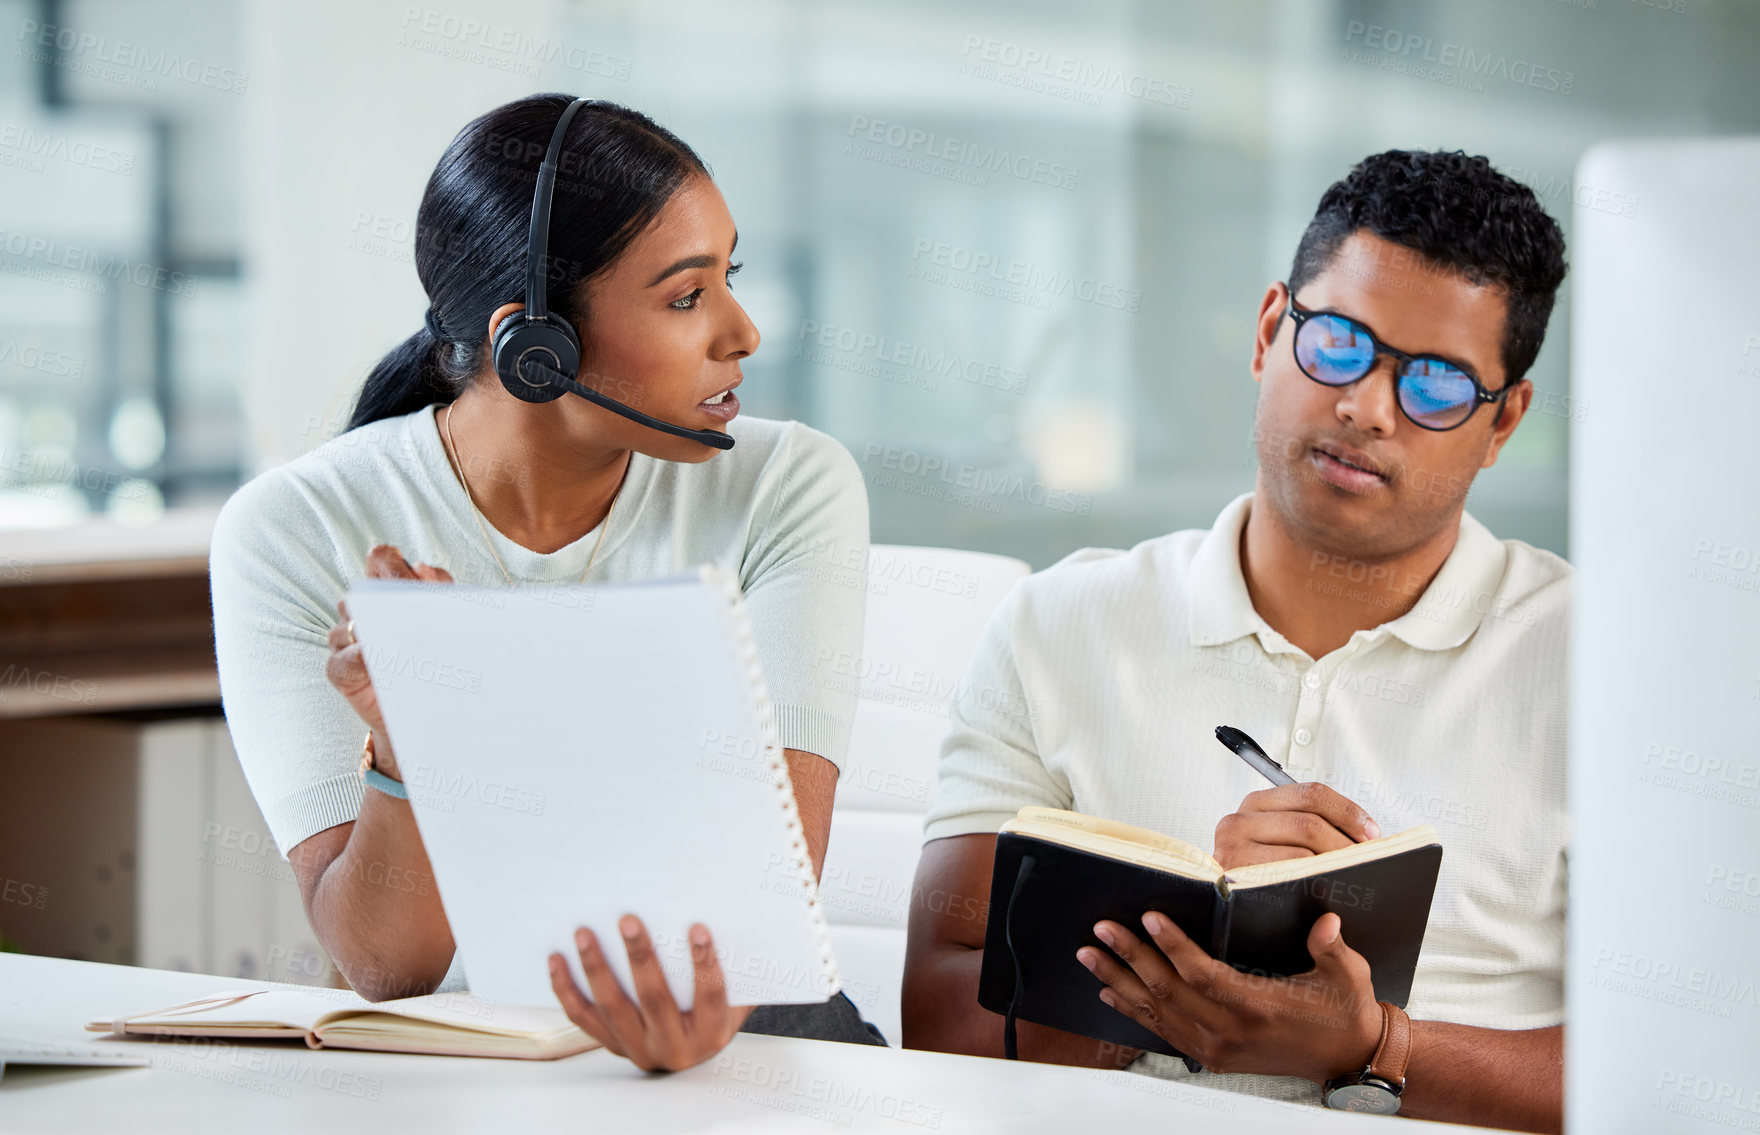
(1220, 608)
(1445, 616)
(1456, 601)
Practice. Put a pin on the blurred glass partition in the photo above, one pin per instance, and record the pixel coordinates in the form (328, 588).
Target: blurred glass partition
(118, 256)
(1011, 254)
(1008, 253)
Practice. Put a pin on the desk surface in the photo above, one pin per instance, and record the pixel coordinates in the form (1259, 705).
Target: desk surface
(757, 1084)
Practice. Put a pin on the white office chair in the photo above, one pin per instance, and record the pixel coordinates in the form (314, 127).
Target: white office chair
(926, 607)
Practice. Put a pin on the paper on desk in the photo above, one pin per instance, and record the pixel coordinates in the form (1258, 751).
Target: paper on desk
(573, 753)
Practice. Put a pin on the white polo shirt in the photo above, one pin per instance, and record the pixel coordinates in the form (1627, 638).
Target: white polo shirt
(1098, 683)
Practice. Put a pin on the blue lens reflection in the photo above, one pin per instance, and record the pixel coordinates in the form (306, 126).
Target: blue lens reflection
(1435, 393)
(1334, 350)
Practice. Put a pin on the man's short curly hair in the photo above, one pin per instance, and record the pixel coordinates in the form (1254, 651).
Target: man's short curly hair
(1463, 215)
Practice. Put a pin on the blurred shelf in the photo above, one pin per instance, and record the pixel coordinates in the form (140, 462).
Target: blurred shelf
(76, 682)
(102, 617)
(174, 545)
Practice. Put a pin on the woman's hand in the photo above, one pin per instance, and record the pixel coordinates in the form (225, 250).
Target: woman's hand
(346, 668)
(654, 1035)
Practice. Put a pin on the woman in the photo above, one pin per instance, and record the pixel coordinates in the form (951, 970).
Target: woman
(443, 468)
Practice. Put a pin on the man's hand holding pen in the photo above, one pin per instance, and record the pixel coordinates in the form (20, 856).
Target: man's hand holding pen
(1316, 1024)
(1289, 822)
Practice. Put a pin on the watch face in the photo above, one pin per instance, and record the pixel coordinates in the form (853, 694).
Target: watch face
(1364, 1098)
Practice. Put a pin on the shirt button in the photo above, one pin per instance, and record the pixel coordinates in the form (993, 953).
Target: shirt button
(1303, 736)
(1312, 681)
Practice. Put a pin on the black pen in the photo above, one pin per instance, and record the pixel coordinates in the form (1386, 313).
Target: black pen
(1248, 750)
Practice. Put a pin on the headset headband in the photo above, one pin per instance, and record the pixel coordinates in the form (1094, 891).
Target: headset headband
(537, 248)
(537, 355)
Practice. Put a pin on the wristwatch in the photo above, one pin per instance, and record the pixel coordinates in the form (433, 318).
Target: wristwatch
(1376, 1089)
(373, 778)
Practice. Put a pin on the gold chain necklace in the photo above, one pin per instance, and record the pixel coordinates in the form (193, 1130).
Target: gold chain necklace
(452, 455)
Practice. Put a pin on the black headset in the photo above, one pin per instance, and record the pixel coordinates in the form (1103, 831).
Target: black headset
(538, 354)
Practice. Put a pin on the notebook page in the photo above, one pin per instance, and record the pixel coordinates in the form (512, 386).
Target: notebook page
(290, 1008)
(574, 753)
(478, 1014)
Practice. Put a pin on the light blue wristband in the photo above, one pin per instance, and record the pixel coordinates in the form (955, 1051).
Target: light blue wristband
(376, 779)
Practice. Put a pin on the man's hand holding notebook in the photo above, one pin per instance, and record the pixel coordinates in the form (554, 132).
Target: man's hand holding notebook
(1059, 876)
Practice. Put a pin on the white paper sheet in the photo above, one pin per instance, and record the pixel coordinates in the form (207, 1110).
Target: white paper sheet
(575, 753)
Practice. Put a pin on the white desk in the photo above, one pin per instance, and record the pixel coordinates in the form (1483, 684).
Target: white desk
(758, 1084)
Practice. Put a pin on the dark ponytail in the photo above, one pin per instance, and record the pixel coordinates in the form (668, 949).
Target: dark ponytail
(617, 169)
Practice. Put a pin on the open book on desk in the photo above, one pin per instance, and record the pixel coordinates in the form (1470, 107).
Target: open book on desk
(441, 1024)
(1057, 873)
(574, 753)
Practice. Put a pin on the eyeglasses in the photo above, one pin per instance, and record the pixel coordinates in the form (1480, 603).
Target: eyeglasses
(1433, 393)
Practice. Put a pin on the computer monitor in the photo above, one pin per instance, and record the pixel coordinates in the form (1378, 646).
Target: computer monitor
(1663, 985)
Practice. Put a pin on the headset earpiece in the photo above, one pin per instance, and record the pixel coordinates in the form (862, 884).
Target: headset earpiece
(549, 341)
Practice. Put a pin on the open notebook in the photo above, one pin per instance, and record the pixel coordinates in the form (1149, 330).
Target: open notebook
(442, 1024)
(577, 752)
(1057, 873)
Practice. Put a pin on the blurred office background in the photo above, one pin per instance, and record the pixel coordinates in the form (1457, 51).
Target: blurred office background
(255, 169)
(1009, 252)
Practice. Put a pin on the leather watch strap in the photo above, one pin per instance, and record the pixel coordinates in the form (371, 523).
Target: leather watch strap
(1395, 1049)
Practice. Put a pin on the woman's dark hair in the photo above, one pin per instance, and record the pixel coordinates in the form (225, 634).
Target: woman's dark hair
(1460, 214)
(617, 169)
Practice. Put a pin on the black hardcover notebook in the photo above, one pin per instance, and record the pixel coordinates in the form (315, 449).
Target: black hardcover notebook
(1057, 873)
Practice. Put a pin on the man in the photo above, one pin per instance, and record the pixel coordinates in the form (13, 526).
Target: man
(1402, 663)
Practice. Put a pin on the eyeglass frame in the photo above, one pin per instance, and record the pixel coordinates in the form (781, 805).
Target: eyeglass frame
(1299, 315)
